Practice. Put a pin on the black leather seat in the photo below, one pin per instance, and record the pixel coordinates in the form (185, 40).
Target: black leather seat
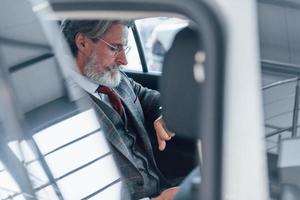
(179, 101)
(179, 90)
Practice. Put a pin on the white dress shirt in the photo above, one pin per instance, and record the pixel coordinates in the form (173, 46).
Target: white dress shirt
(90, 87)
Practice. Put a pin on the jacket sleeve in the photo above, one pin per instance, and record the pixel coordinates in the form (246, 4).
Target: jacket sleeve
(149, 99)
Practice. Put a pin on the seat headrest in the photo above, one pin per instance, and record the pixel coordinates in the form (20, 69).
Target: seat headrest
(180, 95)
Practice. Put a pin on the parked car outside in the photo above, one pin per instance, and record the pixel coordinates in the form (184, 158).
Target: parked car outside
(160, 41)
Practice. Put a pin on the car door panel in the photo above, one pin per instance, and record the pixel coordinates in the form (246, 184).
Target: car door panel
(149, 80)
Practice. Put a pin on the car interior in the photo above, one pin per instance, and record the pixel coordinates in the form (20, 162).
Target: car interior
(45, 148)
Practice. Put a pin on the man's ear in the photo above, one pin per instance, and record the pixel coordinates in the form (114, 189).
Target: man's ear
(83, 44)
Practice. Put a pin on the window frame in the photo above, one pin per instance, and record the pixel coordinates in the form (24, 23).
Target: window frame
(140, 48)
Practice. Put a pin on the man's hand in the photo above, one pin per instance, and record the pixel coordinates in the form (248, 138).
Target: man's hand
(162, 133)
(167, 194)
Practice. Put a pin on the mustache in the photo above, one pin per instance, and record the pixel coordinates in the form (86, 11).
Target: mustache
(110, 68)
(113, 67)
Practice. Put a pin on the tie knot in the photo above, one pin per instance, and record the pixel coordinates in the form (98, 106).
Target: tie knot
(105, 90)
(113, 98)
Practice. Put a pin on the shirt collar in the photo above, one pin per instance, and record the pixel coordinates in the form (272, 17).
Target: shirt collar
(85, 83)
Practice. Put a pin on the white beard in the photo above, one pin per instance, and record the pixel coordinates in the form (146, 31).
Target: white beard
(110, 77)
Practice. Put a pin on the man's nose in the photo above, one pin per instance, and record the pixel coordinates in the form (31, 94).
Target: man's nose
(121, 58)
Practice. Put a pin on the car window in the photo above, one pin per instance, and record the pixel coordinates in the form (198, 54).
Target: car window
(133, 58)
(157, 35)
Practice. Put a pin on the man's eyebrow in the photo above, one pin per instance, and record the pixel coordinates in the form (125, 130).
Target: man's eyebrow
(119, 44)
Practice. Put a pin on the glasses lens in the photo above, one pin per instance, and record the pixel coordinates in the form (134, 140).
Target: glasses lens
(126, 49)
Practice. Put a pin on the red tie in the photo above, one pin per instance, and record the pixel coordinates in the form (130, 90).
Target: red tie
(113, 98)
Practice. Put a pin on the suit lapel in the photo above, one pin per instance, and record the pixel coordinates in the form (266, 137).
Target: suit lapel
(130, 100)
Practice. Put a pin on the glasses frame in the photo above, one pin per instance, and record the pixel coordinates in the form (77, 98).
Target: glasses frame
(115, 49)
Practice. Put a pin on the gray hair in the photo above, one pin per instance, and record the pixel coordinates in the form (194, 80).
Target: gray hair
(93, 29)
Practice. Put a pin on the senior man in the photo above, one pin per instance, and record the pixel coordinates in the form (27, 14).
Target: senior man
(124, 106)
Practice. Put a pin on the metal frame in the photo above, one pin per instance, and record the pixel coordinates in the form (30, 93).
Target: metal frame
(280, 67)
(46, 168)
(295, 125)
(29, 62)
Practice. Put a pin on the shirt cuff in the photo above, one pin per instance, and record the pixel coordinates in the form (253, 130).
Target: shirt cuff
(158, 118)
(157, 115)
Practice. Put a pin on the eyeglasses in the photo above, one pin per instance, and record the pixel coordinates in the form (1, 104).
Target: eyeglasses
(117, 49)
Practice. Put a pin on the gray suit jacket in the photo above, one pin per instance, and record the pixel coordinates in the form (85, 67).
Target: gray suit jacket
(142, 104)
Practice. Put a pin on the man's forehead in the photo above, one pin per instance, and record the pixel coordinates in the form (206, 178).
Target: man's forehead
(117, 27)
(118, 33)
